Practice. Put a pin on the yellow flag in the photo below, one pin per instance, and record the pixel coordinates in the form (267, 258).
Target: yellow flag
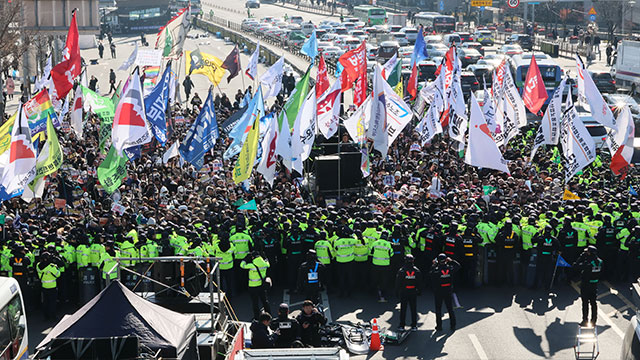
(399, 89)
(568, 195)
(212, 67)
(247, 156)
(5, 133)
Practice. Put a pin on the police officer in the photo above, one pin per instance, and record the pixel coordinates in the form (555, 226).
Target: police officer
(441, 273)
(257, 267)
(310, 320)
(345, 257)
(287, 327)
(468, 253)
(20, 264)
(293, 247)
(309, 279)
(633, 244)
(607, 245)
(48, 273)
(507, 244)
(408, 287)
(381, 252)
(547, 247)
(591, 267)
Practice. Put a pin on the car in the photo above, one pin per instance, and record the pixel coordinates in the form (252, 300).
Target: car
(349, 26)
(451, 39)
(341, 30)
(427, 70)
(332, 52)
(510, 49)
(351, 19)
(481, 69)
(295, 39)
(359, 34)
(372, 53)
(328, 37)
(381, 29)
(405, 51)
(386, 50)
(631, 340)
(339, 40)
(247, 24)
(468, 83)
(295, 19)
(324, 44)
(525, 41)
(294, 27)
(436, 49)
(394, 28)
(320, 32)
(411, 33)
(429, 39)
(351, 43)
(469, 56)
(596, 130)
(465, 37)
(267, 19)
(484, 37)
(401, 38)
(360, 25)
(473, 45)
(604, 81)
(494, 59)
(308, 28)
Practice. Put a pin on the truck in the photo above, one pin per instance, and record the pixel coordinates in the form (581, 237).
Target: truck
(626, 70)
(397, 19)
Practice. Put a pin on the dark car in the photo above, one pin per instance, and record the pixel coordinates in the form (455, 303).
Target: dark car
(469, 84)
(525, 41)
(427, 70)
(465, 37)
(469, 56)
(604, 81)
(386, 50)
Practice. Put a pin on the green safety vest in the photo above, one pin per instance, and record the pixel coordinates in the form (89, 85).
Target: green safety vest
(150, 249)
(361, 251)
(109, 265)
(582, 230)
(69, 254)
(381, 252)
(528, 232)
(226, 257)
(258, 264)
(95, 253)
(48, 276)
(128, 250)
(324, 251)
(242, 242)
(622, 236)
(83, 255)
(344, 249)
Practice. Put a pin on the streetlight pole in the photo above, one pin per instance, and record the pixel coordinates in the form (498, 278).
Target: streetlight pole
(632, 4)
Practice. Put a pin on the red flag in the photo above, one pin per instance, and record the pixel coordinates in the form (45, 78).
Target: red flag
(534, 94)
(360, 91)
(64, 74)
(354, 63)
(322, 80)
(412, 84)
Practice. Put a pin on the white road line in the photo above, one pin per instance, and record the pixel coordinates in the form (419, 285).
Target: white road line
(476, 344)
(617, 293)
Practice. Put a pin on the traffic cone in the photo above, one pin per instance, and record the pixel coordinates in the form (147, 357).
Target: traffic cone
(375, 344)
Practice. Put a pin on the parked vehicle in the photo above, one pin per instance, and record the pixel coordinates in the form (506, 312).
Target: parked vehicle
(525, 41)
(484, 37)
(451, 39)
(626, 68)
(401, 38)
(410, 33)
(468, 56)
(252, 4)
(386, 50)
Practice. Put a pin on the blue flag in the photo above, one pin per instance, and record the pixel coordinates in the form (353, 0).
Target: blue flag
(562, 262)
(310, 47)
(419, 49)
(246, 99)
(201, 136)
(244, 124)
(133, 152)
(4, 196)
(632, 191)
(156, 106)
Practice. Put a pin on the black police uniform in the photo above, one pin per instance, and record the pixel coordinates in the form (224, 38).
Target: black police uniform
(289, 330)
(309, 279)
(441, 278)
(591, 266)
(408, 286)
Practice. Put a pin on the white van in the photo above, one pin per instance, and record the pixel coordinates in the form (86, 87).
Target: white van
(451, 39)
(307, 28)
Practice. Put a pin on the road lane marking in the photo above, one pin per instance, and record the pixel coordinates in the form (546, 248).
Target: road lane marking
(479, 350)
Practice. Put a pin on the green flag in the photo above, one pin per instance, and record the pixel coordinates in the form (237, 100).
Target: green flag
(168, 43)
(2, 218)
(249, 205)
(396, 75)
(238, 202)
(292, 106)
(112, 170)
(488, 189)
(104, 108)
(50, 157)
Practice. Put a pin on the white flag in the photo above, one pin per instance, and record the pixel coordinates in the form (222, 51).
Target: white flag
(76, 114)
(283, 144)
(619, 136)
(549, 129)
(376, 130)
(429, 126)
(591, 98)
(578, 147)
(304, 131)
(482, 150)
(267, 165)
(357, 123)
(252, 65)
(130, 125)
(329, 109)
(21, 166)
(514, 113)
(455, 97)
(132, 58)
(488, 110)
(398, 113)
(388, 67)
(623, 157)
(171, 152)
(272, 79)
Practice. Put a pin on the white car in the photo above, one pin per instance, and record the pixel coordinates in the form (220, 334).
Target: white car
(351, 43)
(411, 34)
(510, 50)
(359, 34)
(428, 39)
(401, 38)
(436, 49)
(329, 37)
(296, 19)
(332, 52)
(405, 51)
(324, 44)
(494, 59)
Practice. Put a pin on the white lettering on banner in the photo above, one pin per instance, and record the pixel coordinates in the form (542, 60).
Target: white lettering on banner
(149, 57)
(578, 151)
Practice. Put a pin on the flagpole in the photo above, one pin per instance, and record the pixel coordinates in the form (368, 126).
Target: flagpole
(244, 88)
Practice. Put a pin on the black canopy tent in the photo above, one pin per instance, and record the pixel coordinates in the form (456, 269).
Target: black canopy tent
(112, 320)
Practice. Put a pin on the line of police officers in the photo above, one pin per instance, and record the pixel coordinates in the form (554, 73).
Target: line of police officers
(354, 248)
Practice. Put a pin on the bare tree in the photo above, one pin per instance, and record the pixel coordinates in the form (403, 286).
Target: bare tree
(609, 13)
(14, 40)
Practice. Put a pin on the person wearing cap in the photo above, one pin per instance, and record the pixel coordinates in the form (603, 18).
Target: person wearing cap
(408, 287)
(442, 272)
(548, 246)
(48, 273)
(257, 275)
(590, 266)
(309, 277)
(608, 247)
(507, 245)
(632, 243)
(292, 247)
(345, 255)
(20, 264)
(287, 327)
(108, 265)
(310, 320)
(224, 250)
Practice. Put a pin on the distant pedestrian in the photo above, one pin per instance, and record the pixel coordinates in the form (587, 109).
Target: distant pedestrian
(11, 87)
(112, 81)
(609, 52)
(188, 85)
(113, 50)
(93, 83)
(110, 37)
(100, 49)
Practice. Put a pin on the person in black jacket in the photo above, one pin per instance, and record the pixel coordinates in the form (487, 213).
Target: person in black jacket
(287, 327)
(548, 246)
(260, 337)
(591, 266)
(310, 319)
(442, 272)
(408, 287)
(309, 280)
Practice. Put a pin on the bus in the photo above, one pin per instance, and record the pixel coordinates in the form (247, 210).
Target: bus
(13, 321)
(435, 22)
(371, 15)
(550, 71)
